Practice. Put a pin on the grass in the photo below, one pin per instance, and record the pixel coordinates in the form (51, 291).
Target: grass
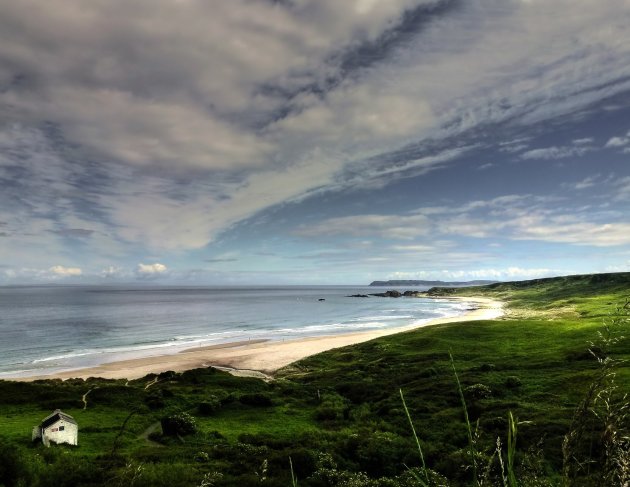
(339, 417)
(424, 482)
(280, 423)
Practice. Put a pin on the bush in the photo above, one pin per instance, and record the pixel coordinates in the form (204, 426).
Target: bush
(14, 469)
(380, 453)
(154, 400)
(256, 399)
(179, 424)
(332, 407)
(477, 391)
(167, 375)
(512, 382)
(71, 471)
(209, 407)
(159, 475)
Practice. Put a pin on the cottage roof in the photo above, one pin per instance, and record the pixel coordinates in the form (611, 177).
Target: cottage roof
(56, 416)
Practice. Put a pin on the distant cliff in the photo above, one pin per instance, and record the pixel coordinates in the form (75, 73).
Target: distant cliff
(430, 283)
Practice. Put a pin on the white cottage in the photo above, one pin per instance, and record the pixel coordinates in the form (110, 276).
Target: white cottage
(58, 427)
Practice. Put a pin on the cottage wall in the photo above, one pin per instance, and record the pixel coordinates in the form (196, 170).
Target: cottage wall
(62, 432)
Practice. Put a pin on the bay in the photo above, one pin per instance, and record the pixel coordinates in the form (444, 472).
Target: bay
(46, 329)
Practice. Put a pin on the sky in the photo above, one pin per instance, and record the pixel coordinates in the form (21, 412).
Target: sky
(312, 141)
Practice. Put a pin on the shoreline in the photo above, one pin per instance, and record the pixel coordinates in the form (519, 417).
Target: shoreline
(259, 358)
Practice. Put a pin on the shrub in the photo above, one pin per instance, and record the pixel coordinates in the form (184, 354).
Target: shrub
(209, 407)
(179, 424)
(154, 400)
(167, 375)
(71, 471)
(332, 407)
(512, 382)
(256, 399)
(380, 453)
(478, 391)
(14, 469)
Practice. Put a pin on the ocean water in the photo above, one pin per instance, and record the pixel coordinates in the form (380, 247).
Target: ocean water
(53, 328)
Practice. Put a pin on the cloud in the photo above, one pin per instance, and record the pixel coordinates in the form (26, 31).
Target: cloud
(388, 226)
(623, 189)
(416, 248)
(223, 259)
(61, 271)
(555, 152)
(74, 232)
(525, 219)
(514, 145)
(618, 141)
(584, 141)
(587, 182)
(151, 271)
(113, 272)
(502, 274)
(155, 136)
(513, 217)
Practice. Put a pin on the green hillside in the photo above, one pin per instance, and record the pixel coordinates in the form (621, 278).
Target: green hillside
(337, 418)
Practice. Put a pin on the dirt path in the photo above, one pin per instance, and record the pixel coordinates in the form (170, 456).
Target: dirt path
(153, 428)
(84, 398)
(242, 372)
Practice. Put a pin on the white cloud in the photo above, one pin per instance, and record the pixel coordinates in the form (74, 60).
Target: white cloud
(569, 229)
(514, 217)
(417, 248)
(584, 141)
(61, 271)
(500, 274)
(618, 141)
(587, 182)
(623, 189)
(150, 271)
(111, 272)
(555, 152)
(619, 268)
(526, 220)
(9, 273)
(387, 226)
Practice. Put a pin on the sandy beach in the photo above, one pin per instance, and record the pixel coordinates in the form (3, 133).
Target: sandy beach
(260, 357)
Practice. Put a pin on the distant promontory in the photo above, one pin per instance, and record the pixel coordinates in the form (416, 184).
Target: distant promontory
(395, 283)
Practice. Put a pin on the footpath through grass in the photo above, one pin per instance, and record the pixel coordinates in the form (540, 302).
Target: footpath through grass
(339, 416)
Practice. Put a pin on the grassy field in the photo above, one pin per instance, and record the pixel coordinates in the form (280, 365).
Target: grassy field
(339, 417)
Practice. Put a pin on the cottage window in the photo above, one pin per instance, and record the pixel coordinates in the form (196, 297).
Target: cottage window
(61, 428)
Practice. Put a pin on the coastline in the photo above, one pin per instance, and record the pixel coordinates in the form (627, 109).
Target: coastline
(259, 358)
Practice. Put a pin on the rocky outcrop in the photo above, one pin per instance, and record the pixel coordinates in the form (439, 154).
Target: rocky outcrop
(388, 294)
(398, 294)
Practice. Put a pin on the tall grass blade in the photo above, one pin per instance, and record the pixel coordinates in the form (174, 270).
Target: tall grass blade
(499, 452)
(511, 450)
(415, 436)
(294, 481)
(473, 452)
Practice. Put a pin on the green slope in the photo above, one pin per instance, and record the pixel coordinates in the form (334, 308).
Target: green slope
(338, 415)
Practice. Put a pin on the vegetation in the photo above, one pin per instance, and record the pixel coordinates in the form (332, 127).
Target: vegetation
(436, 406)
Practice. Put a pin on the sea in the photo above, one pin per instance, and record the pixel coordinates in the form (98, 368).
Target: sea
(48, 329)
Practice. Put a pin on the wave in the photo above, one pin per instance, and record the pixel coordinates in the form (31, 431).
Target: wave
(383, 318)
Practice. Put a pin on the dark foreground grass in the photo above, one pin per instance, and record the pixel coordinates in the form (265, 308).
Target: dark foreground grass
(339, 418)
